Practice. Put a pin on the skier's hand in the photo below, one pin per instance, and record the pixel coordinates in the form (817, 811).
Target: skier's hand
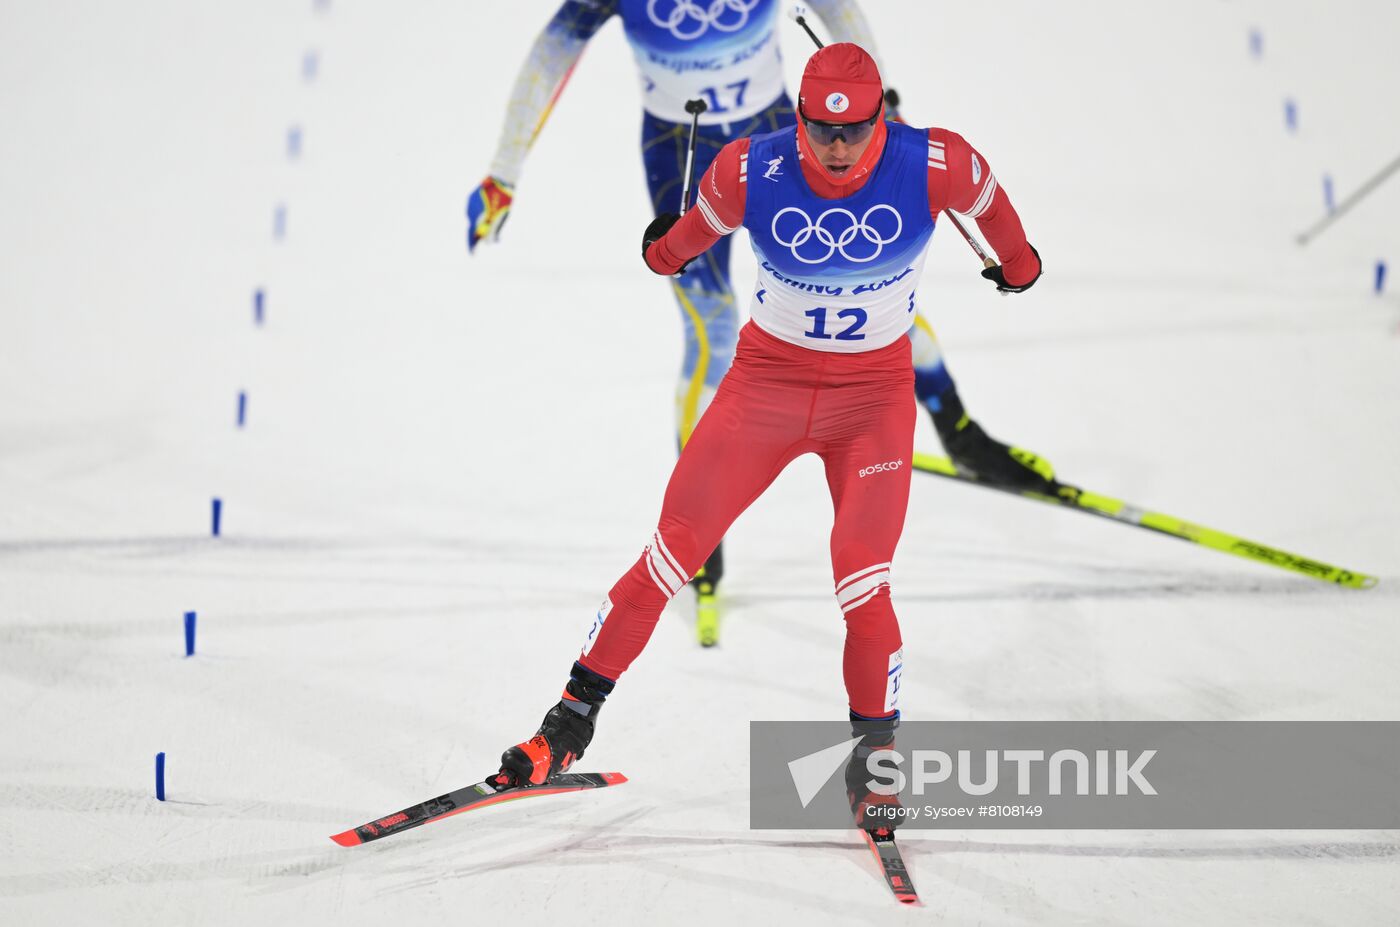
(995, 275)
(487, 209)
(654, 233)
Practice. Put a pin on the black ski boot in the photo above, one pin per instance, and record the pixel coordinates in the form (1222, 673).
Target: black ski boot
(975, 452)
(873, 811)
(564, 733)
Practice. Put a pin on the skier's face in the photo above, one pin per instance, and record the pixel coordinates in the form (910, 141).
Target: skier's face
(838, 147)
(839, 156)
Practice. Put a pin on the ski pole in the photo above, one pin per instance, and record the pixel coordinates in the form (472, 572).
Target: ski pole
(798, 14)
(695, 108)
(1349, 202)
(987, 261)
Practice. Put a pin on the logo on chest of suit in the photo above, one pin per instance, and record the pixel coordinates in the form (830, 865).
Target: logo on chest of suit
(687, 19)
(774, 172)
(837, 231)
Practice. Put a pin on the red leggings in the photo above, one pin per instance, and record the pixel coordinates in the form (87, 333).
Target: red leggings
(779, 401)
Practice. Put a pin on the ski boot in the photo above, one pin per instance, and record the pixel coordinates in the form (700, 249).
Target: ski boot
(873, 811)
(564, 733)
(975, 452)
(706, 602)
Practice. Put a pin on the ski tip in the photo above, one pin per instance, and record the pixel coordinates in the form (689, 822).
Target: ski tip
(347, 839)
(1352, 580)
(614, 778)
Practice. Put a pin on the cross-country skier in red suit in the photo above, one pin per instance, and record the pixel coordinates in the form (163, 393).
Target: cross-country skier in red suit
(840, 228)
(726, 53)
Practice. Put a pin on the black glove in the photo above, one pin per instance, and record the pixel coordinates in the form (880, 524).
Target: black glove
(995, 275)
(659, 227)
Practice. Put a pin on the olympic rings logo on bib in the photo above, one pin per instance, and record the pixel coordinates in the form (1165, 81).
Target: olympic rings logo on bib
(837, 231)
(690, 20)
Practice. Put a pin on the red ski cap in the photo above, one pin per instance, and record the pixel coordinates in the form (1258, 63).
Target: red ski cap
(840, 84)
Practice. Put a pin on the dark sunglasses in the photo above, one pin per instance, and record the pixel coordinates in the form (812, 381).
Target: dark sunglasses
(826, 133)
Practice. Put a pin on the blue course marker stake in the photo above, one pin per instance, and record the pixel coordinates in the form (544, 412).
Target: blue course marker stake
(1327, 199)
(1380, 277)
(258, 306)
(218, 513)
(294, 142)
(242, 407)
(1256, 43)
(1290, 115)
(310, 64)
(279, 222)
(189, 634)
(160, 776)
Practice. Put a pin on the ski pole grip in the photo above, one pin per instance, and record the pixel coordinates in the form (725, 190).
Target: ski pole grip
(989, 264)
(799, 16)
(695, 107)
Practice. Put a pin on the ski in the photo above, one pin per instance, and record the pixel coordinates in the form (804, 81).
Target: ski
(1117, 510)
(881, 842)
(480, 795)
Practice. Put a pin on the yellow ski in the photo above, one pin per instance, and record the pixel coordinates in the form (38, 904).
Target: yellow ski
(1120, 511)
(706, 613)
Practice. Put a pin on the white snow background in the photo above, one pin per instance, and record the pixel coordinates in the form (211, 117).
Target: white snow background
(449, 459)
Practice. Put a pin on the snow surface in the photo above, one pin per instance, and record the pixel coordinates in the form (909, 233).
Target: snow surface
(448, 460)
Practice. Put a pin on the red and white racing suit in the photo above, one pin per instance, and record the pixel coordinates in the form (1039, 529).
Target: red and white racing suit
(792, 392)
